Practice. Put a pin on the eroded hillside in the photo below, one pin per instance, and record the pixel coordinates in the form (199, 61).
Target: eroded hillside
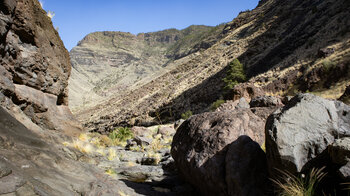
(283, 46)
(108, 63)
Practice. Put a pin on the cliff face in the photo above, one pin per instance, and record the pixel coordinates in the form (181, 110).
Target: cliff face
(282, 44)
(34, 116)
(109, 63)
(35, 65)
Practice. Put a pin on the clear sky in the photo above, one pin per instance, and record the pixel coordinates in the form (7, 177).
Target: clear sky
(77, 18)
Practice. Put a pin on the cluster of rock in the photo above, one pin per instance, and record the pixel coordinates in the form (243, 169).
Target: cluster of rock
(145, 162)
(220, 154)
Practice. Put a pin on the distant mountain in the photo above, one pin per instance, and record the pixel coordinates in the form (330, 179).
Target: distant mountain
(286, 47)
(108, 63)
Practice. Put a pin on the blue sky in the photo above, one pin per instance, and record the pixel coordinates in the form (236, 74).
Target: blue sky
(77, 18)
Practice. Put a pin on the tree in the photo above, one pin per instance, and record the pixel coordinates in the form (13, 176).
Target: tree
(234, 75)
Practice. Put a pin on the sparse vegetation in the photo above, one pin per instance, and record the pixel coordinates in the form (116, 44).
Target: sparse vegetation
(216, 104)
(120, 135)
(263, 147)
(302, 185)
(235, 75)
(328, 66)
(186, 114)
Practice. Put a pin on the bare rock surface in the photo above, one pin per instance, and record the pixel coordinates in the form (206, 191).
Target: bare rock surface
(200, 150)
(28, 164)
(299, 135)
(35, 66)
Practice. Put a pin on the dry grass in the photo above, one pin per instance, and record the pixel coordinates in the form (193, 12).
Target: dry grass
(112, 154)
(110, 172)
(83, 147)
(291, 185)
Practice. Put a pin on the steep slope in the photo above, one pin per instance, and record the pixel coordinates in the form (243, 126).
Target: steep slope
(107, 63)
(280, 44)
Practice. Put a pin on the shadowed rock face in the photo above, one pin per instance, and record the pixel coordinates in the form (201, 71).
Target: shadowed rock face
(35, 65)
(211, 155)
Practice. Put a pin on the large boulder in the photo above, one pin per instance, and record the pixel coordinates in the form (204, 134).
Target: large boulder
(246, 168)
(299, 134)
(200, 150)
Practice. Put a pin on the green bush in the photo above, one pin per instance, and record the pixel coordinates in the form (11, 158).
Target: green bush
(216, 104)
(186, 114)
(235, 75)
(121, 134)
(328, 66)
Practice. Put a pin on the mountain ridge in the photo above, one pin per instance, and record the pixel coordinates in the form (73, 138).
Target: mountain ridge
(107, 62)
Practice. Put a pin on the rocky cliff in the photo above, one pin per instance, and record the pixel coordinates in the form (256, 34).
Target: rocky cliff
(35, 66)
(34, 114)
(109, 63)
(285, 46)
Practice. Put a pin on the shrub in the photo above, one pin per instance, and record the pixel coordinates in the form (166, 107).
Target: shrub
(186, 114)
(216, 104)
(299, 186)
(121, 134)
(235, 75)
(328, 66)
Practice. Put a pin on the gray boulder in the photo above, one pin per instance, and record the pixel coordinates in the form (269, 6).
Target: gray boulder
(166, 131)
(200, 148)
(242, 104)
(298, 134)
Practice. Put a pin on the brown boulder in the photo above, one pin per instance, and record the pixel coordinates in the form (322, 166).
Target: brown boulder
(246, 90)
(246, 168)
(201, 143)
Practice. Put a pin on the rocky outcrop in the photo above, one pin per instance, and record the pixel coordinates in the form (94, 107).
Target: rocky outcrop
(30, 166)
(265, 101)
(35, 66)
(210, 154)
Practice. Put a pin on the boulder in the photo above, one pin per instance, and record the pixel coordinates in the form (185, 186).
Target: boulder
(265, 101)
(242, 104)
(246, 168)
(140, 131)
(246, 90)
(228, 105)
(166, 131)
(298, 135)
(143, 141)
(201, 143)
